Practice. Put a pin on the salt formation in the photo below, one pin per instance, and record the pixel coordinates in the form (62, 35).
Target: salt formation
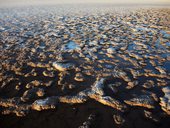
(165, 101)
(63, 66)
(143, 101)
(43, 104)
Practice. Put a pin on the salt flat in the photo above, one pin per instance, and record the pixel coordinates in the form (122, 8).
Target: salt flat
(85, 66)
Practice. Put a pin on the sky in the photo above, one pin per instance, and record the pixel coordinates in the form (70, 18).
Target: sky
(37, 2)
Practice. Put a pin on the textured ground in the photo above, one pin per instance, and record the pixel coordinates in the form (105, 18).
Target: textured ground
(86, 67)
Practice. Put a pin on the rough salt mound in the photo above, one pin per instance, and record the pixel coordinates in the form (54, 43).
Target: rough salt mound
(165, 101)
(63, 66)
(43, 104)
(143, 101)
